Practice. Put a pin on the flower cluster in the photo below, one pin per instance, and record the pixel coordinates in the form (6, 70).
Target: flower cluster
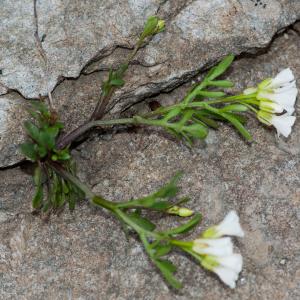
(215, 251)
(277, 96)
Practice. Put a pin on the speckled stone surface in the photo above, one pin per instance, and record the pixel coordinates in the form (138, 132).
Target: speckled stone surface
(76, 33)
(85, 254)
(88, 37)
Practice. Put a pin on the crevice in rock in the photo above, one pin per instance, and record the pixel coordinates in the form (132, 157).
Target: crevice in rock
(155, 88)
(175, 10)
(21, 164)
(194, 75)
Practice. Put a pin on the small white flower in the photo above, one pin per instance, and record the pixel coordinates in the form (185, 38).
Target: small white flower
(233, 262)
(229, 226)
(226, 267)
(282, 78)
(283, 123)
(214, 247)
(216, 252)
(270, 106)
(281, 91)
(228, 276)
(284, 97)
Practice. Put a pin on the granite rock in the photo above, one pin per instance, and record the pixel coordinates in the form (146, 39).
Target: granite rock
(82, 37)
(12, 114)
(85, 254)
(75, 34)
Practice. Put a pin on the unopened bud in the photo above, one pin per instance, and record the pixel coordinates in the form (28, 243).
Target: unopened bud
(180, 211)
(152, 27)
(160, 26)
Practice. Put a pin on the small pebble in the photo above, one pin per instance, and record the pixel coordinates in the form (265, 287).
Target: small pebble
(283, 262)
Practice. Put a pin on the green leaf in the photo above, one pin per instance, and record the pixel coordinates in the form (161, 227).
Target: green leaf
(117, 82)
(65, 187)
(170, 189)
(142, 222)
(186, 117)
(238, 125)
(42, 151)
(53, 189)
(32, 130)
(234, 107)
(174, 133)
(121, 70)
(48, 136)
(62, 200)
(168, 265)
(221, 83)
(143, 202)
(72, 197)
(210, 94)
(172, 113)
(40, 107)
(54, 157)
(150, 27)
(220, 68)
(37, 176)
(63, 154)
(240, 118)
(38, 197)
(154, 200)
(185, 227)
(106, 88)
(46, 206)
(196, 131)
(161, 250)
(188, 141)
(233, 120)
(161, 205)
(29, 151)
(167, 269)
(209, 122)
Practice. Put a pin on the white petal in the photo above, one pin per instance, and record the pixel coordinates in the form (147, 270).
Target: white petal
(285, 87)
(234, 262)
(283, 124)
(285, 76)
(228, 276)
(285, 99)
(230, 225)
(271, 107)
(215, 247)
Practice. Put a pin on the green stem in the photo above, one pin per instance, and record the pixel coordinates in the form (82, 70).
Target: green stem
(250, 107)
(202, 104)
(190, 97)
(111, 122)
(181, 244)
(232, 99)
(68, 139)
(73, 135)
(100, 201)
(93, 198)
(104, 99)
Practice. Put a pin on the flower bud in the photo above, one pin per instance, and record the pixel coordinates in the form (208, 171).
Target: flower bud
(160, 26)
(229, 226)
(180, 211)
(270, 106)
